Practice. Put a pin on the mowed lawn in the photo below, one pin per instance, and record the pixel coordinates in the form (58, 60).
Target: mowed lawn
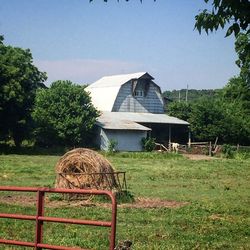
(216, 214)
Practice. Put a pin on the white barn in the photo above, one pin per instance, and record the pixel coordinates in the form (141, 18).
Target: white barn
(131, 108)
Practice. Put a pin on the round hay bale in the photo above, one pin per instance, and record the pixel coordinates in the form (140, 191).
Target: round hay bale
(84, 168)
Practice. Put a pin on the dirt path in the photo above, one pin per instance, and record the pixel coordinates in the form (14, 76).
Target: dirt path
(23, 200)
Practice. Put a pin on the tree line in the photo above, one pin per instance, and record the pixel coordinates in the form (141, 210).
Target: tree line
(225, 115)
(190, 95)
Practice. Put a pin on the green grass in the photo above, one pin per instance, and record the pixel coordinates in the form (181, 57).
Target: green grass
(216, 217)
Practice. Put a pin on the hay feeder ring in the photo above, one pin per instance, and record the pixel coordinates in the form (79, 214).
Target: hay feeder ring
(86, 169)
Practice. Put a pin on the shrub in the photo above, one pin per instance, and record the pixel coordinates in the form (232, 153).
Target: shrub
(228, 151)
(112, 146)
(148, 144)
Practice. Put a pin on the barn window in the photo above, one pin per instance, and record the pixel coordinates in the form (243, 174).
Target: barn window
(139, 93)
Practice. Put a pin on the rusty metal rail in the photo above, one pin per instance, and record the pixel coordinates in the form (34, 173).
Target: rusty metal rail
(39, 218)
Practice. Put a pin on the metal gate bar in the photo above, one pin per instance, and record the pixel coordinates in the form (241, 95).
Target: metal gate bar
(39, 218)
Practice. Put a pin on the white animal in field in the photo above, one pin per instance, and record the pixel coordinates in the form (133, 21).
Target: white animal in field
(175, 147)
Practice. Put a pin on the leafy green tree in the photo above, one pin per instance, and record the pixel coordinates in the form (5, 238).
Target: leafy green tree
(238, 130)
(232, 12)
(64, 115)
(236, 103)
(180, 110)
(237, 91)
(208, 120)
(19, 80)
(242, 48)
(226, 117)
(236, 13)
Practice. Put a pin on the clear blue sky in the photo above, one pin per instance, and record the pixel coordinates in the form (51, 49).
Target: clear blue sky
(82, 41)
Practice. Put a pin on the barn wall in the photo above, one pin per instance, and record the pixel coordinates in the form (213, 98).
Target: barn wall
(126, 102)
(128, 140)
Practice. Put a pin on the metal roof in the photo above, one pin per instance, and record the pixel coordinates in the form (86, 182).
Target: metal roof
(130, 120)
(118, 124)
(104, 91)
(116, 80)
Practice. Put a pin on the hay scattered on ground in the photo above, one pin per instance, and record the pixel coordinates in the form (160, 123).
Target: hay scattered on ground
(147, 203)
(84, 168)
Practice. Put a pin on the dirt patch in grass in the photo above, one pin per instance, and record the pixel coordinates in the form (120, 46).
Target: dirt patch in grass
(153, 203)
(138, 203)
(220, 217)
(22, 200)
(197, 157)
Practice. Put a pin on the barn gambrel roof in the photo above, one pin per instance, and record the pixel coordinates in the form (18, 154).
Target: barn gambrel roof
(104, 91)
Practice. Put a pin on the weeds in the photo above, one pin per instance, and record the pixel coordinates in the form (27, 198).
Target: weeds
(231, 152)
(147, 155)
(112, 146)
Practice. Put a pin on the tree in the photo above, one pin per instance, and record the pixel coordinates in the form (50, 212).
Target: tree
(19, 80)
(208, 120)
(180, 110)
(193, 94)
(63, 114)
(226, 117)
(234, 12)
(236, 103)
(237, 91)
(242, 48)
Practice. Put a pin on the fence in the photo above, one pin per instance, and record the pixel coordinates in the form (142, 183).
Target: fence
(200, 148)
(39, 218)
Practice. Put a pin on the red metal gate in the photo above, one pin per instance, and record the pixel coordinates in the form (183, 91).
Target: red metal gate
(39, 218)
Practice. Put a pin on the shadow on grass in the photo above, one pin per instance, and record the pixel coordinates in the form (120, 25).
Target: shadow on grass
(33, 150)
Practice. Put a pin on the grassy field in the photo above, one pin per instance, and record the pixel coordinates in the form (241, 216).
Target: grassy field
(216, 215)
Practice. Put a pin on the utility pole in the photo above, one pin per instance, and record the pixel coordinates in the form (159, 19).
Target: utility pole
(179, 96)
(187, 94)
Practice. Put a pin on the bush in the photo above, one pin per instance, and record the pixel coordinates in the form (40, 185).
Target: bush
(242, 156)
(112, 146)
(148, 144)
(228, 150)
